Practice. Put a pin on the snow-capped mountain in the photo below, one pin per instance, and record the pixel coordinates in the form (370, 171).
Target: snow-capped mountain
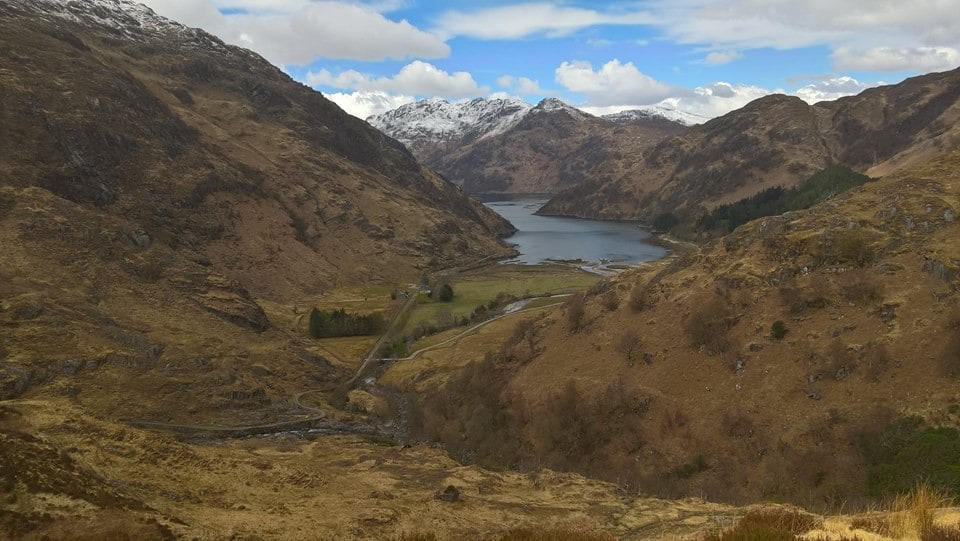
(553, 105)
(656, 111)
(128, 19)
(506, 145)
(437, 120)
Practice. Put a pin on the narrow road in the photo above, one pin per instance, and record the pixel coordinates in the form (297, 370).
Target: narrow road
(387, 334)
(317, 423)
(473, 329)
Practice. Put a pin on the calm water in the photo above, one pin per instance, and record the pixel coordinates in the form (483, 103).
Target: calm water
(543, 238)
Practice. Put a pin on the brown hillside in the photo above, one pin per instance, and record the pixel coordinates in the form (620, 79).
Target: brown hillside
(684, 390)
(550, 150)
(777, 140)
(159, 188)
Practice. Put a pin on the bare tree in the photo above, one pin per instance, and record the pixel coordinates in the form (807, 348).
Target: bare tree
(576, 310)
(630, 345)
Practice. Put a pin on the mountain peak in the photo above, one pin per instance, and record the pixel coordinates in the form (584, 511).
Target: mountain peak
(550, 105)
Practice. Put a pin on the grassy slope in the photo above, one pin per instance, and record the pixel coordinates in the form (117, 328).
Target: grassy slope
(772, 419)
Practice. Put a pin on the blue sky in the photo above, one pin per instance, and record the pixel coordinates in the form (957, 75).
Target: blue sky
(702, 56)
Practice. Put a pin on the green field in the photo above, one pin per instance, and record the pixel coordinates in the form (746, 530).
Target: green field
(480, 286)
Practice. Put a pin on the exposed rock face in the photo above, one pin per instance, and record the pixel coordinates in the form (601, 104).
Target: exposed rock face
(776, 140)
(508, 146)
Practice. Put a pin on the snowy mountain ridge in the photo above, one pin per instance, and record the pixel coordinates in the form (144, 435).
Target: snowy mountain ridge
(131, 19)
(656, 111)
(435, 120)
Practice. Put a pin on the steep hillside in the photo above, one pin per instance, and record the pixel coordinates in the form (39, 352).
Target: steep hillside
(777, 140)
(784, 361)
(159, 188)
(543, 149)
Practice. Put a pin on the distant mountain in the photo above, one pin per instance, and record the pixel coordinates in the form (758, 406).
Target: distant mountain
(508, 146)
(426, 123)
(775, 141)
(655, 111)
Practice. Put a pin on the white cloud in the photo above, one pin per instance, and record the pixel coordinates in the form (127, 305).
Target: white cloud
(920, 59)
(613, 83)
(523, 86)
(416, 78)
(365, 104)
(502, 96)
(703, 102)
(522, 20)
(719, 58)
(299, 31)
(914, 35)
(831, 89)
(717, 99)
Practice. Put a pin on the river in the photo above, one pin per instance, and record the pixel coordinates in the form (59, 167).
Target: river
(550, 238)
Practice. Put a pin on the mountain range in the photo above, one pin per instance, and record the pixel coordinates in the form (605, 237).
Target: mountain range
(643, 164)
(508, 146)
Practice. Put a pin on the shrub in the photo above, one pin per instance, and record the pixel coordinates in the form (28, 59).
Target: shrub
(576, 311)
(876, 359)
(688, 470)
(840, 361)
(610, 301)
(639, 299)
(778, 330)
(446, 293)
(858, 286)
(816, 293)
(708, 326)
(524, 334)
(852, 246)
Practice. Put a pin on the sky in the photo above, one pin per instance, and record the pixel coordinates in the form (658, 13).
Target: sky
(705, 57)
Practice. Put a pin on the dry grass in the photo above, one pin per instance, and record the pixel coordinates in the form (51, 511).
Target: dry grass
(769, 525)
(563, 533)
(914, 513)
(877, 523)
